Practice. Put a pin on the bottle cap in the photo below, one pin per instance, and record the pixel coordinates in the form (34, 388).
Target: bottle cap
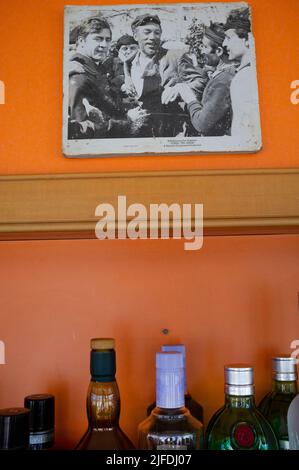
(181, 349)
(170, 380)
(102, 359)
(284, 368)
(42, 412)
(14, 428)
(99, 344)
(239, 379)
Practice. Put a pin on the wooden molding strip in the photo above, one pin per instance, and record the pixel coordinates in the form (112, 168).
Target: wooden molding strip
(235, 201)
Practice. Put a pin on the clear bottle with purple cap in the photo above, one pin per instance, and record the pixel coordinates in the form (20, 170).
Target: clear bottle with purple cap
(193, 406)
(170, 425)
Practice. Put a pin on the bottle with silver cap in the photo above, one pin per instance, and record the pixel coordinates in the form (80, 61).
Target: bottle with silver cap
(103, 401)
(193, 406)
(239, 425)
(275, 404)
(170, 425)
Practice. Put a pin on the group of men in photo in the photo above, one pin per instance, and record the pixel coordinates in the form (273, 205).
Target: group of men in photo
(150, 91)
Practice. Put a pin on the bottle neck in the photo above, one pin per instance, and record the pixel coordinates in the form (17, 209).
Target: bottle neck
(170, 393)
(103, 405)
(285, 386)
(170, 413)
(234, 401)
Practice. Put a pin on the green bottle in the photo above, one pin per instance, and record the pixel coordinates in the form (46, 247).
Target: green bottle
(103, 401)
(275, 404)
(211, 424)
(240, 425)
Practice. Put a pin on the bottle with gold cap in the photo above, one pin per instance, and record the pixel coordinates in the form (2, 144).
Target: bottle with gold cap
(240, 425)
(103, 401)
(275, 404)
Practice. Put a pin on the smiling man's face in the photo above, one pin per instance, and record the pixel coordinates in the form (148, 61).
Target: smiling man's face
(149, 38)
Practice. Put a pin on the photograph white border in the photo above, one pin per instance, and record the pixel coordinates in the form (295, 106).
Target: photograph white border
(150, 146)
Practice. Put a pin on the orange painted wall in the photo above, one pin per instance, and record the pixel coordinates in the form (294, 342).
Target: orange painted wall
(234, 300)
(31, 38)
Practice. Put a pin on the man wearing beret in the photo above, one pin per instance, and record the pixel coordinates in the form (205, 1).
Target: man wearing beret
(93, 108)
(243, 89)
(153, 71)
(212, 116)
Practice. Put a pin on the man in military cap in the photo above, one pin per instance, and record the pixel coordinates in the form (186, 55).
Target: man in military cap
(152, 71)
(93, 108)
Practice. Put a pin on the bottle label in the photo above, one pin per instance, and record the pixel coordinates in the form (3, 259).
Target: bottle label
(41, 437)
(244, 435)
(284, 445)
(176, 441)
(107, 398)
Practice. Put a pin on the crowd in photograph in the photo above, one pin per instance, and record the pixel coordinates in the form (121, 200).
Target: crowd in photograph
(133, 86)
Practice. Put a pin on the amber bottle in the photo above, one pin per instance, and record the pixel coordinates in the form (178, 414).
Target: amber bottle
(103, 401)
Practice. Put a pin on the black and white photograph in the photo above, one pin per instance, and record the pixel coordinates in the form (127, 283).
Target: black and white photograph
(160, 79)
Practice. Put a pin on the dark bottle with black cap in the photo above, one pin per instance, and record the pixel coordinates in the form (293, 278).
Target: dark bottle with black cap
(14, 429)
(41, 422)
(103, 401)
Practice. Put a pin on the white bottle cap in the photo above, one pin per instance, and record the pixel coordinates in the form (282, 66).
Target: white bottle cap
(239, 380)
(181, 349)
(170, 380)
(284, 368)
